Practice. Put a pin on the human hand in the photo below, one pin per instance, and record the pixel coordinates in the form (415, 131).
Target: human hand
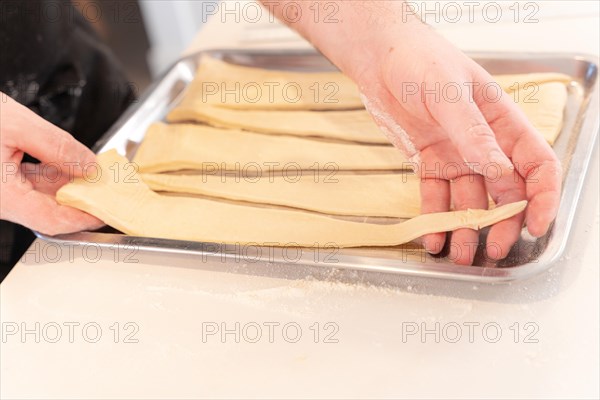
(27, 190)
(464, 141)
(435, 104)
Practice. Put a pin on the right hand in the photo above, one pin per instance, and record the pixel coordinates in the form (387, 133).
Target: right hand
(464, 149)
(28, 190)
(383, 48)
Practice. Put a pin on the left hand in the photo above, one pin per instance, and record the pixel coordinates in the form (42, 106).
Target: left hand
(28, 190)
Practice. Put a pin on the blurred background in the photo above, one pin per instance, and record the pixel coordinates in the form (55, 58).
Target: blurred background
(146, 35)
(149, 35)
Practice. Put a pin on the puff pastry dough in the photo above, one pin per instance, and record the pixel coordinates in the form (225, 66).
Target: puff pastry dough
(384, 195)
(128, 204)
(353, 126)
(512, 82)
(542, 96)
(185, 146)
(544, 105)
(228, 85)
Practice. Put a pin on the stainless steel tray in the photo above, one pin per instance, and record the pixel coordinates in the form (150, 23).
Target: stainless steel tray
(530, 256)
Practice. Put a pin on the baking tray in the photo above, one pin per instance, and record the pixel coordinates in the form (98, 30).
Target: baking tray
(530, 256)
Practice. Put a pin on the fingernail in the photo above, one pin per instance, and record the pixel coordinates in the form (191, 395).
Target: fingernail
(432, 246)
(537, 233)
(428, 247)
(493, 252)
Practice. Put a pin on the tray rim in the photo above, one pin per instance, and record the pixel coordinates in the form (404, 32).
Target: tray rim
(444, 270)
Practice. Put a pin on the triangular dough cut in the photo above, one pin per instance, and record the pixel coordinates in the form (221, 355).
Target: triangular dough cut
(186, 146)
(129, 205)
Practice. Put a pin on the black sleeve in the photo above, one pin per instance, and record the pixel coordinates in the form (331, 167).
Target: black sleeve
(52, 61)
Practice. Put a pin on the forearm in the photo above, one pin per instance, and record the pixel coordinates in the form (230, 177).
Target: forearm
(352, 34)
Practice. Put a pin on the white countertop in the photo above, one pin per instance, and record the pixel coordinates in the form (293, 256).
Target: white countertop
(169, 304)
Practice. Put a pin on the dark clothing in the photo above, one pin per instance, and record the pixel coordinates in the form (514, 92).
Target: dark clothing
(53, 62)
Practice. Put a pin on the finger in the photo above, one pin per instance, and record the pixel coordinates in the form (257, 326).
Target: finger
(45, 178)
(543, 183)
(435, 197)
(480, 146)
(504, 235)
(47, 142)
(534, 160)
(470, 133)
(467, 192)
(504, 189)
(440, 163)
(41, 212)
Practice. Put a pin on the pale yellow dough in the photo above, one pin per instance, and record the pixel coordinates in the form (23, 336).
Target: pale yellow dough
(546, 114)
(512, 82)
(542, 96)
(186, 146)
(544, 105)
(361, 195)
(129, 205)
(354, 126)
(382, 195)
(228, 85)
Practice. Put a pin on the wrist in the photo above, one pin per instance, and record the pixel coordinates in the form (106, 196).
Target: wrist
(354, 35)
